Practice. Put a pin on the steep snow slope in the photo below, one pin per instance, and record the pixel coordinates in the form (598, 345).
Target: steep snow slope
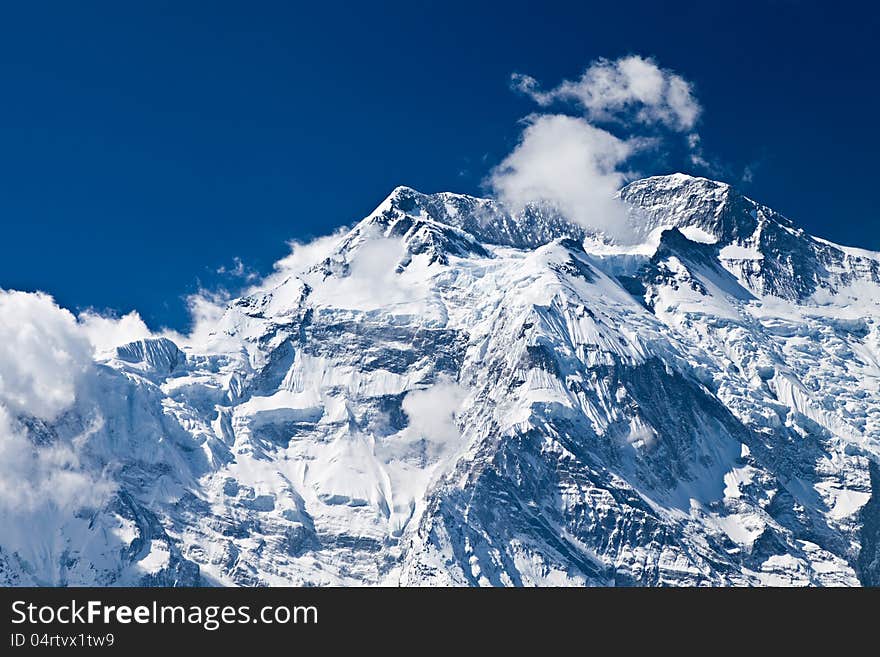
(452, 395)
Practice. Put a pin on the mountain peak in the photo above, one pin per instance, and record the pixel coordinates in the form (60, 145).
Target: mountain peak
(159, 355)
(678, 181)
(681, 201)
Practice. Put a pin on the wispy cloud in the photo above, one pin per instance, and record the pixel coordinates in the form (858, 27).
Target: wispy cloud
(303, 255)
(373, 279)
(238, 270)
(431, 413)
(47, 480)
(633, 89)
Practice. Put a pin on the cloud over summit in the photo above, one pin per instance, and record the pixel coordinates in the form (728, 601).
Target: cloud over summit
(567, 161)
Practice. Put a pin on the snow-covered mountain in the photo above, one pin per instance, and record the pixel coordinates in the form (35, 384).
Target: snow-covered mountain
(451, 395)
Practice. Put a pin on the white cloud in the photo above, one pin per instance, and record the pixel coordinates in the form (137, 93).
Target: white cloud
(373, 280)
(43, 355)
(302, 256)
(45, 478)
(44, 359)
(206, 308)
(376, 260)
(695, 146)
(683, 107)
(106, 333)
(41, 487)
(630, 88)
(572, 165)
(238, 270)
(431, 412)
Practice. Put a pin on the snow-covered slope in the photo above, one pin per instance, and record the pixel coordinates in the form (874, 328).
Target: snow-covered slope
(452, 395)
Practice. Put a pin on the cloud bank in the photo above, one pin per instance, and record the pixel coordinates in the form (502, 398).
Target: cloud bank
(45, 356)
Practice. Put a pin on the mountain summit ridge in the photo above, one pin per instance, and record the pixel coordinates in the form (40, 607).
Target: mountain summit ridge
(705, 209)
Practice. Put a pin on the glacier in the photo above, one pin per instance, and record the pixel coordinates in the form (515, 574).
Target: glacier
(454, 395)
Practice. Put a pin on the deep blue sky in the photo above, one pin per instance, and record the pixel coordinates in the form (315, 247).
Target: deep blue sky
(144, 145)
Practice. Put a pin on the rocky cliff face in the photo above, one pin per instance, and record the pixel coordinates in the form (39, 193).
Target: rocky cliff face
(453, 395)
